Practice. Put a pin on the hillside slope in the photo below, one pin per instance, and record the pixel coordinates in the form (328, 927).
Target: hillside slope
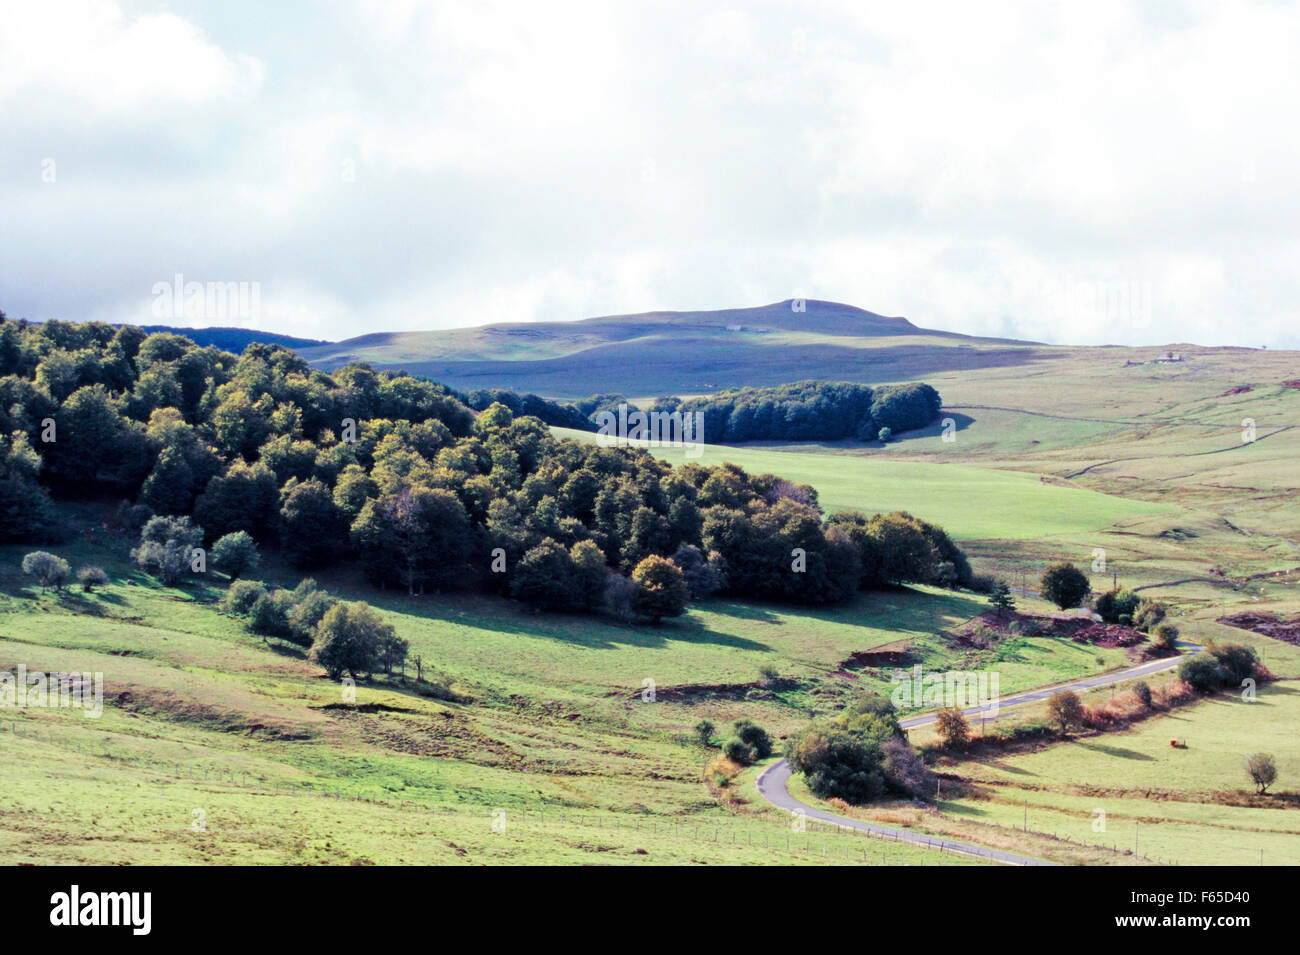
(655, 352)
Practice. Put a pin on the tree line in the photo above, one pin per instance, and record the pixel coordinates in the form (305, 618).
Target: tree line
(811, 411)
(400, 476)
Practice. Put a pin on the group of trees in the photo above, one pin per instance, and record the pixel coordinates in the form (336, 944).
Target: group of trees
(810, 411)
(399, 476)
(342, 637)
(554, 413)
(860, 755)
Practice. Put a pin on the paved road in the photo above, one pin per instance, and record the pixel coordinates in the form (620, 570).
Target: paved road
(773, 784)
(996, 710)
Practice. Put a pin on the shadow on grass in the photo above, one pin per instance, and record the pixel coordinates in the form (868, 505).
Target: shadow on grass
(583, 630)
(1117, 751)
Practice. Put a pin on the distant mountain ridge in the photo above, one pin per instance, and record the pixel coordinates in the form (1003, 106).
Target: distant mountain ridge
(236, 339)
(676, 351)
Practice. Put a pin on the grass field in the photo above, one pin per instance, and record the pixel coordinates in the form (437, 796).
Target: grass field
(969, 502)
(207, 725)
(1184, 806)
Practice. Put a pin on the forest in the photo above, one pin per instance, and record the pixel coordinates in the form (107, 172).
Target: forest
(398, 476)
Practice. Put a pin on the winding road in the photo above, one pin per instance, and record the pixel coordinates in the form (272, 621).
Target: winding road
(773, 783)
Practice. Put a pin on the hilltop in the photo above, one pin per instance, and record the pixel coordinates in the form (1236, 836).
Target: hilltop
(682, 352)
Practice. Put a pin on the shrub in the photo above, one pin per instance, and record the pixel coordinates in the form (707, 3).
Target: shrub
(307, 613)
(1143, 693)
(1148, 614)
(269, 614)
(236, 554)
(619, 595)
(704, 732)
(1065, 710)
(166, 547)
(1203, 672)
(240, 597)
(952, 727)
(768, 674)
(755, 737)
(1166, 639)
(1238, 662)
(738, 751)
(1262, 771)
(703, 575)
(905, 772)
(92, 577)
(1064, 585)
(838, 764)
(1115, 605)
(49, 570)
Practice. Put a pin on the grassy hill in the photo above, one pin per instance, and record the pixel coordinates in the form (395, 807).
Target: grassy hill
(679, 352)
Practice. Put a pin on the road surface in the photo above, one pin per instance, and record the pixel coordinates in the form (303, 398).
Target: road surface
(773, 783)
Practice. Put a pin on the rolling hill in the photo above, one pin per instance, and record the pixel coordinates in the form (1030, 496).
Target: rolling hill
(682, 352)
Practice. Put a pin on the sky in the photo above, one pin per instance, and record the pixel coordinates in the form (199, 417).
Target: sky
(1109, 172)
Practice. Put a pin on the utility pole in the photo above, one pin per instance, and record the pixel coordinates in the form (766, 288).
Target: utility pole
(1026, 815)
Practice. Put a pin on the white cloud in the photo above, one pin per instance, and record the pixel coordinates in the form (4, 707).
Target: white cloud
(407, 165)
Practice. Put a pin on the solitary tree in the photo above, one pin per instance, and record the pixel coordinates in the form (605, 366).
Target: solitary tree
(1261, 768)
(953, 728)
(48, 569)
(1002, 599)
(1064, 585)
(1065, 710)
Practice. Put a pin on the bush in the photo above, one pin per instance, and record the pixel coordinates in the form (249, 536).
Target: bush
(738, 751)
(1143, 693)
(269, 614)
(1166, 638)
(952, 727)
(1116, 605)
(619, 596)
(755, 737)
(1218, 667)
(1238, 662)
(704, 732)
(307, 613)
(1149, 613)
(703, 575)
(768, 674)
(1203, 673)
(92, 577)
(240, 597)
(1262, 770)
(1064, 585)
(166, 547)
(838, 764)
(49, 570)
(236, 554)
(905, 772)
(1065, 710)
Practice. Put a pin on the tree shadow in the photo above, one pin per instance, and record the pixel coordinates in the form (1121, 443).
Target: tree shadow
(1117, 751)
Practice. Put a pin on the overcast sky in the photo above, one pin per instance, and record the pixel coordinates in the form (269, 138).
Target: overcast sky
(1083, 173)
